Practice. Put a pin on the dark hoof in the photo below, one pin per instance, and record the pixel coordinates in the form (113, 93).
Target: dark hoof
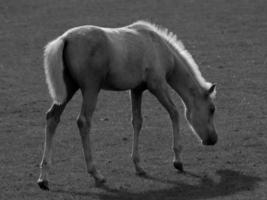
(141, 173)
(100, 182)
(179, 166)
(43, 184)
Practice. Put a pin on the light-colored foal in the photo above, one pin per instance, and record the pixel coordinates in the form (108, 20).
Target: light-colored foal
(136, 57)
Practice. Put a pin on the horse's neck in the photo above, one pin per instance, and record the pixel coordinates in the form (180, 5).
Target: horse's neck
(184, 81)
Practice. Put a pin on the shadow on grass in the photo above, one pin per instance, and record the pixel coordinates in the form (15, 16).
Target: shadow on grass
(231, 182)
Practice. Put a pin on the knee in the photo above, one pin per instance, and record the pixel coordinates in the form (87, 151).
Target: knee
(137, 122)
(174, 114)
(135, 158)
(82, 122)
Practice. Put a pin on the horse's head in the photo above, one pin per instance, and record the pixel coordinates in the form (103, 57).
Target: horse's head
(200, 115)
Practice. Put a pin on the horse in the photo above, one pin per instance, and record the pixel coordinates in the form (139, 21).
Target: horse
(137, 57)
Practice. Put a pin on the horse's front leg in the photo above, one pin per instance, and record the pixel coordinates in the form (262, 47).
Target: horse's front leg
(136, 97)
(160, 90)
(84, 124)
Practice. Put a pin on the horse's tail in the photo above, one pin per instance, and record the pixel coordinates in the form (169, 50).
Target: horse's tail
(54, 70)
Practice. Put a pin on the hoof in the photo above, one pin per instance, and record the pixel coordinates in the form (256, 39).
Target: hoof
(43, 184)
(100, 182)
(179, 166)
(140, 172)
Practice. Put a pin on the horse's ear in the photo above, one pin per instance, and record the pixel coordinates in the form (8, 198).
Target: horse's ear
(212, 91)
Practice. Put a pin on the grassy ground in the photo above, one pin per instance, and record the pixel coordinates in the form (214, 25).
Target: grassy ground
(226, 38)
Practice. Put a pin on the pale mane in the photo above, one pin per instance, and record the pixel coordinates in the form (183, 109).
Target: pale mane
(172, 39)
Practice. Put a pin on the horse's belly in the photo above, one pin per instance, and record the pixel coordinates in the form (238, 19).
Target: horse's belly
(123, 80)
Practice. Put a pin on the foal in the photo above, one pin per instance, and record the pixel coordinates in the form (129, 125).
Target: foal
(136, 57)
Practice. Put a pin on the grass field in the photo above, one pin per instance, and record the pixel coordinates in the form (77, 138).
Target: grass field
(228, 41)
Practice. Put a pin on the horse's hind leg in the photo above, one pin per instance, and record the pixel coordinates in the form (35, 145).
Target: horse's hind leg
(136, 97)
(84, 124)
(52, 120)
(160, 90)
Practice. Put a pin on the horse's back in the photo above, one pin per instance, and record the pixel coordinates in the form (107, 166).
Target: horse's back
(118, 58)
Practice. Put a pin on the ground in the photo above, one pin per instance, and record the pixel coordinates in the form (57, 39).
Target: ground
(228, 41)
